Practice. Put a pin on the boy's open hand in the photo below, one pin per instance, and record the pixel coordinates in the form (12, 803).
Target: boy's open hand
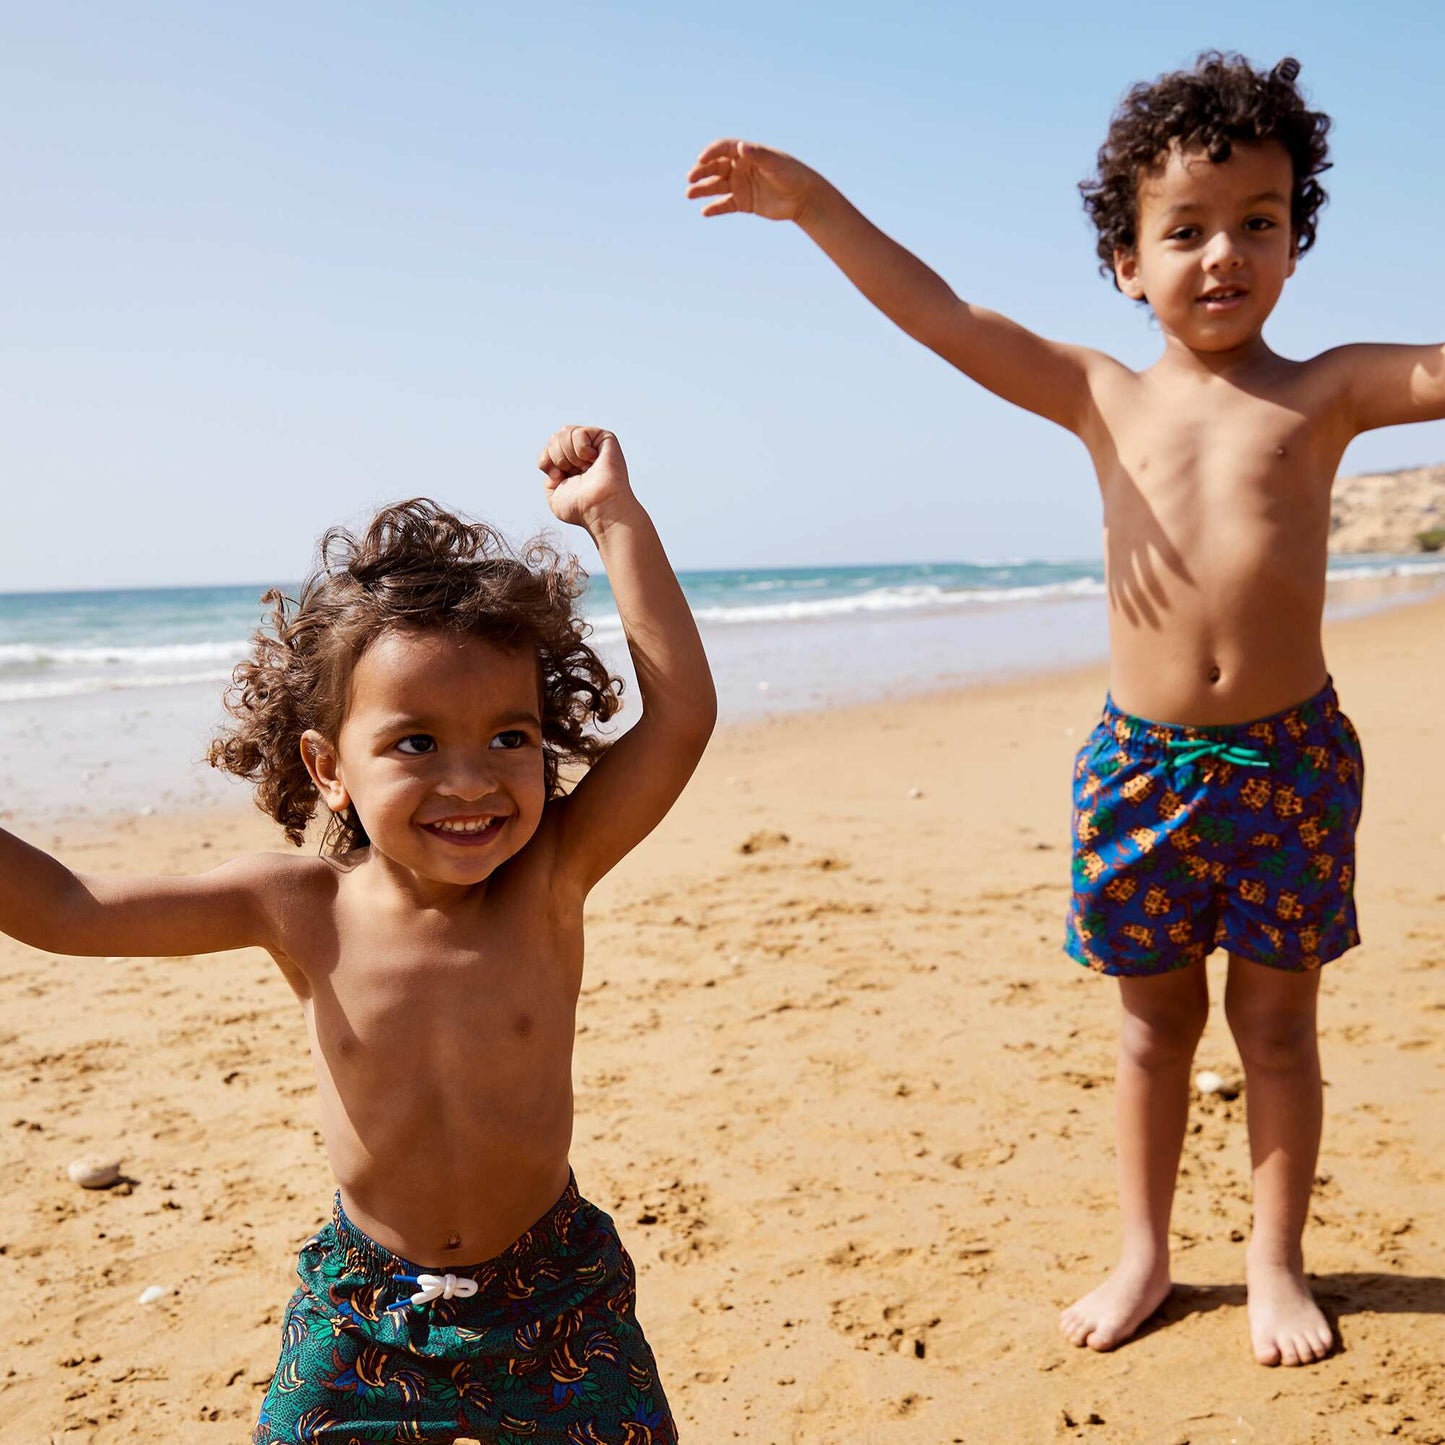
(739, 175)
(586, 475)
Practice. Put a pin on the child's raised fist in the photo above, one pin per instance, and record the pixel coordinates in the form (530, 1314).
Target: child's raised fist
(586, 474)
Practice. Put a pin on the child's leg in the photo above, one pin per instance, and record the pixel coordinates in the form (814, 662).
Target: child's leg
(1163, 1017)
(1271, 1013)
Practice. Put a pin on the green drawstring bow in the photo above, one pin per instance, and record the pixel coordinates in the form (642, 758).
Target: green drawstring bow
(1185, 752)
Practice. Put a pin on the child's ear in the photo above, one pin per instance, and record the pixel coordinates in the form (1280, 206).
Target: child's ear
(325, 769)
(1126, 273)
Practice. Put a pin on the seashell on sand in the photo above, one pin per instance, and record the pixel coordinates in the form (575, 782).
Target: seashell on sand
(1225, 1086)
(152, 1293)
(94, 1172)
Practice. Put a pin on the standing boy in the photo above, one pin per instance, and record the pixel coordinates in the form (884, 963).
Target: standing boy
(1216, 802)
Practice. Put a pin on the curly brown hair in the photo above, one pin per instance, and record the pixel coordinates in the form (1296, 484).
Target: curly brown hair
(416, 566)
(1221, 101)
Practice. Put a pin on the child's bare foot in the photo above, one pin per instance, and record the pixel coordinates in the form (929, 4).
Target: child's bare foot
(1109, 1315)
(1286, 1326)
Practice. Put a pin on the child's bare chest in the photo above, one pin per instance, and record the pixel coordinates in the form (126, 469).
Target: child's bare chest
(499, 984)
(1196, 465)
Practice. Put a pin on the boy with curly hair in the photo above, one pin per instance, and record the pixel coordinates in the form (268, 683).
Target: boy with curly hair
(426, 689)
(1216, 802)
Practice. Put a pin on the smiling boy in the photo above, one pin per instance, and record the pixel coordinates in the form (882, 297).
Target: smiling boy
(426, 690)
(1216, 802)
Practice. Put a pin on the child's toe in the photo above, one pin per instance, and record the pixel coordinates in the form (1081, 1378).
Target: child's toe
(1267, 1352)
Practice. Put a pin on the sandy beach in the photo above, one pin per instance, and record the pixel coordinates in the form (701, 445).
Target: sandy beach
(845, 1096)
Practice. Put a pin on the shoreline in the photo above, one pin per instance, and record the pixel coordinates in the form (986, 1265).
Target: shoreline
(124, 745)
(136, 753)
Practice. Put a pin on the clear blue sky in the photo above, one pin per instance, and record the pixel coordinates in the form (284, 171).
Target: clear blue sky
(265, 265)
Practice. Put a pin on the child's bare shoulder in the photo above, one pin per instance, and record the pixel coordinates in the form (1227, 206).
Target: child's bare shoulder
(284, 873)
(295, 896)
(1326, 373)
(1108, 377)
(287, 890)
(1353, 388)
(1114, 393)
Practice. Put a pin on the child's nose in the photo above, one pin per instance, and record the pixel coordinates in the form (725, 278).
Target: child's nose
(468, 779)
(1221, 253)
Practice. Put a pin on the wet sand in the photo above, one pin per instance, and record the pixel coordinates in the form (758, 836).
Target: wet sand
(846, 1098)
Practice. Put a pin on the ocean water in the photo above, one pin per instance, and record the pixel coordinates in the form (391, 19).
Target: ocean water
(65, 644)
(108, 698)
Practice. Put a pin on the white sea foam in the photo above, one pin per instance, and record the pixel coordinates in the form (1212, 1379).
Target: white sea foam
(15, 656)
(918, 597)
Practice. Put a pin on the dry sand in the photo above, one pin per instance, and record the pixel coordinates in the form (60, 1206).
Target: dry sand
(846, 1098)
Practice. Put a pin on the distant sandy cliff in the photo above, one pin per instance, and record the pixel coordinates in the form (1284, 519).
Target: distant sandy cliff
(1389, 512)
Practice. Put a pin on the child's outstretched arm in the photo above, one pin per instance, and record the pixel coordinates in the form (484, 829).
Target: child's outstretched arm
(1383, 385)
(1045, 377)
(630, 789)
(44, 904)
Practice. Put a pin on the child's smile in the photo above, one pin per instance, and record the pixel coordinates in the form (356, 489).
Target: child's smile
(1223, 299)
(467, 831)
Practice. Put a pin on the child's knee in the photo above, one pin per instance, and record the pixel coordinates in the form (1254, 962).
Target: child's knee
(1164, 1037)
(1280, 1040)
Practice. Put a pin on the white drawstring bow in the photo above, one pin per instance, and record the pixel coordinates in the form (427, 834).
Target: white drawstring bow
(442, 1286)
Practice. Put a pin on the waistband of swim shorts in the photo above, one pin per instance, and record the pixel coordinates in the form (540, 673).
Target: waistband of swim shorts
(547, 1238)
(1305, 722)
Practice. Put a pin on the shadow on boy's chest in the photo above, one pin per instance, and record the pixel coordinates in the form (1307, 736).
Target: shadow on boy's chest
(451, 998)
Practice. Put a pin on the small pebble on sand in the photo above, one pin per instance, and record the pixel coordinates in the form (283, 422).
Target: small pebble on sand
(152, 1293)
(94, 1172)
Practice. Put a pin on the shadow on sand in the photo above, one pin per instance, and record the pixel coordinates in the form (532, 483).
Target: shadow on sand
(1339, 1295)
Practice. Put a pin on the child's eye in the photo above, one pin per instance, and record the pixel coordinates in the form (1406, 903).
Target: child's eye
(512, 738)
(417, 745)
(1183, 233)
(1260, 223)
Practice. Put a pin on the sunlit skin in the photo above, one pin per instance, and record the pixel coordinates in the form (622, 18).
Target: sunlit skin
(438, 968)
(1215, 466)
(442, 1033)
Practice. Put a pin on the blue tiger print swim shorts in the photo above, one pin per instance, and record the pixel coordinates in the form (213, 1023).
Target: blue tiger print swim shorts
(1188, 839)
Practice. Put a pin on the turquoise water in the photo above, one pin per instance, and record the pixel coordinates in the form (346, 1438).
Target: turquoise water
(65, 644)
